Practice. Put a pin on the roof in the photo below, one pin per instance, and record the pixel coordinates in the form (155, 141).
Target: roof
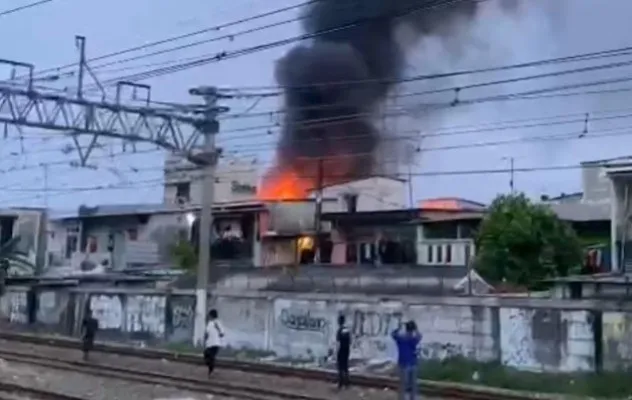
(608, 161)
(114, 210)
(577, 196)
(451, 204)
(387, 177)
(394, 216)
(582, 212)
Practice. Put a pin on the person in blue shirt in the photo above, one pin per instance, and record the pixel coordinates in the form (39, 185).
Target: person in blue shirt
(407, 341)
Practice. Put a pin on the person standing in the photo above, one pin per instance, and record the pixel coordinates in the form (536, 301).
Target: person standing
(407, 342)
(89, 328)
(343, 339)
(214, 339)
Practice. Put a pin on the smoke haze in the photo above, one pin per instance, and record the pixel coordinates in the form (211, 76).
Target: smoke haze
(338, 123)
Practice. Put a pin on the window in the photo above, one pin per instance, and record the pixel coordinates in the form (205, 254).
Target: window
(93, 246)
(183, 191)
(440, 254)
(132, 234)
(448, 254)
(72, 243)
(430, 255)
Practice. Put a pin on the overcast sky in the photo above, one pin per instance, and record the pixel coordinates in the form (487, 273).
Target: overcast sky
(540, 29)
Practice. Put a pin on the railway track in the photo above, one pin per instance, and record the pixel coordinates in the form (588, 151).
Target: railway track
(429, 389)
(12, 391)
(218, 388)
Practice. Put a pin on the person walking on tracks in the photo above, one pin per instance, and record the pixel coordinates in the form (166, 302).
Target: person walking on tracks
(407, 342)
(89, 329)
(214, 340)
(343, 339)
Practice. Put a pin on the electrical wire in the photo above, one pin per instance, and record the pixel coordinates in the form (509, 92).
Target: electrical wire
(179, 37)
(24, 7)
(463, 172)
(568, 136)
(224, 55)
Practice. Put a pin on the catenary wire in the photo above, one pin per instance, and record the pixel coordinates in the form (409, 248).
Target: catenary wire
(172, 39)
(224, 55)
(24, 7)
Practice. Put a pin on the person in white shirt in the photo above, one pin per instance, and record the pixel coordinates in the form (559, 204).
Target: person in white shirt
(214, 339)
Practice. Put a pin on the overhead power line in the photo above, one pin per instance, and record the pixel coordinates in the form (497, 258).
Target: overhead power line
(24, 7)
(255, 49)
(172, 39)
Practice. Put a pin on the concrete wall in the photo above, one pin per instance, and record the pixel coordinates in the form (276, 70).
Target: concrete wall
(374, 194)
(529, 334)
(233, 176)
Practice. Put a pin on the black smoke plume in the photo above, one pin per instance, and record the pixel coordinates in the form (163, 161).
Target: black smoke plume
(335, 85)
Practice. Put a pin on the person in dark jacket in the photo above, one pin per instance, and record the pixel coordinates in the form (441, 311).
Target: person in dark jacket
(343, 339)
(407, 342)
(89, 329)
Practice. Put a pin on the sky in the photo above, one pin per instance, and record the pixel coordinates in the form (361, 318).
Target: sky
(460, 138)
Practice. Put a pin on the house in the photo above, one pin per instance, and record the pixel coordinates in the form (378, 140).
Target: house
(123, 237)
(438, 233)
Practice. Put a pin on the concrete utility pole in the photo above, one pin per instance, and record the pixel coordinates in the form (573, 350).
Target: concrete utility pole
(511, 173)
(80, 41)
(208, 159)
(318, 210)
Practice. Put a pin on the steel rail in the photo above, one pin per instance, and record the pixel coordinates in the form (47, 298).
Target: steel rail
(427, 388)
(215, 387)
(40, 394)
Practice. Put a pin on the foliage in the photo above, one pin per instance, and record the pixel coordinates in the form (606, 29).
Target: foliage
(12, 260)
(615, 384)
(523, 243)
(184, 255)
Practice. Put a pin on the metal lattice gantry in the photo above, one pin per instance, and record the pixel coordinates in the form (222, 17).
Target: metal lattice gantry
(25, 106)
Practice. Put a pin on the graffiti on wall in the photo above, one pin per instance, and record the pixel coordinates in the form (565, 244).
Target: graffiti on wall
(374, 324)
(302, 321)
(182, 314)
(51, 307)
(182, 319)
(108, 310)
(18, 307)
(145, 314)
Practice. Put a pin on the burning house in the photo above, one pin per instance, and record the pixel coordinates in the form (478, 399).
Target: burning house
(336, 84)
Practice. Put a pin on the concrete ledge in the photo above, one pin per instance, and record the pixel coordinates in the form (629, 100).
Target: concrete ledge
(429, 388)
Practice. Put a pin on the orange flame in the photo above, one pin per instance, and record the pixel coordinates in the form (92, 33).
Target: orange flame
(283, 185)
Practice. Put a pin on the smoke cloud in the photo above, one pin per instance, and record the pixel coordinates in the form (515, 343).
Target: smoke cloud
(336, 84)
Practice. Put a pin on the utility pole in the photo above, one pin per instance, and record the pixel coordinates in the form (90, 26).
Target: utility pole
(511, 173)
(209, 127)
(318, 210)
(45, 167)
(80, 41)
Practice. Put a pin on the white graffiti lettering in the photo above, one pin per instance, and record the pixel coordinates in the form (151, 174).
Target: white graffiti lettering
(107, 310)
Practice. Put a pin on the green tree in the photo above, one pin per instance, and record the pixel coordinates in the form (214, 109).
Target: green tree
(523, 243)
(184, 255)
(13, 262)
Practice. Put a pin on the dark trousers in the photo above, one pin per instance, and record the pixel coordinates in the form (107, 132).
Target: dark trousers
(87, 345)
(210, 354)
(342, 363)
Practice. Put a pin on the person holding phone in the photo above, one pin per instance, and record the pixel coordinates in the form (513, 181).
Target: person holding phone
(407, 341)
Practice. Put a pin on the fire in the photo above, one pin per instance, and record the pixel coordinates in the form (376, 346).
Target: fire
(284, 185)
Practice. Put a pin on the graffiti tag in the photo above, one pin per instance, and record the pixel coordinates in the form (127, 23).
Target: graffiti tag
(303, 321)
(182, 316)
(374, 324)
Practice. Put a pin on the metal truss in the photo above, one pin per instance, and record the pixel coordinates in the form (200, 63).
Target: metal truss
(178, 132)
